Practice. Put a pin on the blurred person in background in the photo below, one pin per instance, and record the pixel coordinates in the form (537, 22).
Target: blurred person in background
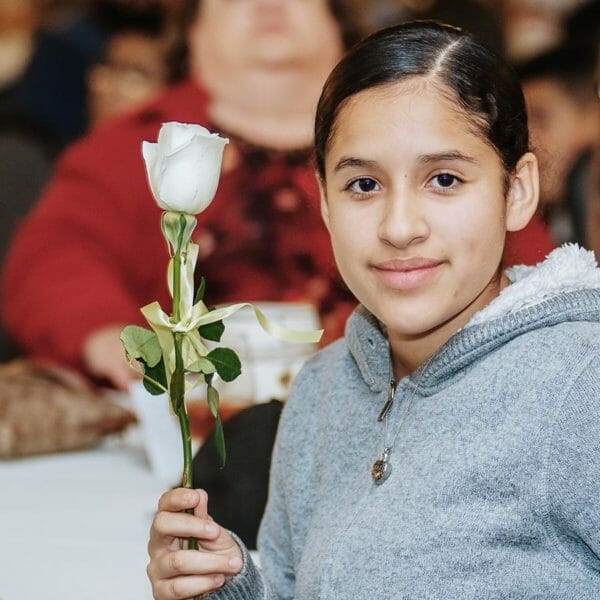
(42, 73)
(28, 143)
(18, 22)
(135, 62)
(48, 48)
(535, 26)
(91, 253)
(564, 125)
(93, 245)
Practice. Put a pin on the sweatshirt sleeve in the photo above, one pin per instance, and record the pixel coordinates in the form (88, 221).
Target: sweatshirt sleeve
(87, 255)
(573, 476)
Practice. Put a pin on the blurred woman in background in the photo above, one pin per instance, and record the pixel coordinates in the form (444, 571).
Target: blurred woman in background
(93, 244)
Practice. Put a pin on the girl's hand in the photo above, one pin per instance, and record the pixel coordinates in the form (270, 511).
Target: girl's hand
(176, 573)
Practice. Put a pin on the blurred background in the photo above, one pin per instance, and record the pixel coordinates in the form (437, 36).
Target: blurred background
(72, 68)
(68, 65)
(78, 80)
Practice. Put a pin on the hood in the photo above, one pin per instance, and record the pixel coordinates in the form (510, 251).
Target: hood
(564, 287)
(566, 269)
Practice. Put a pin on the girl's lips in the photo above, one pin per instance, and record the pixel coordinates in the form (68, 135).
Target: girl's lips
(406, 274)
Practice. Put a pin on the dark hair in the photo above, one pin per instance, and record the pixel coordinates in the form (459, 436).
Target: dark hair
(484, 85)
(571, 65)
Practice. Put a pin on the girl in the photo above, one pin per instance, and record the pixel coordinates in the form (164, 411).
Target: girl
(449, 445)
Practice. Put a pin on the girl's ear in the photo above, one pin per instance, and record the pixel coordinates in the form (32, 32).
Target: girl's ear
(523, 195)
(324, 205)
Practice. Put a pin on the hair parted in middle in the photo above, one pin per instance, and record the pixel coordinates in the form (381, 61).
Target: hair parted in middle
(483, 85)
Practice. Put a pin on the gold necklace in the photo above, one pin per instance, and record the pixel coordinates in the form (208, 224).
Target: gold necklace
(382, 467)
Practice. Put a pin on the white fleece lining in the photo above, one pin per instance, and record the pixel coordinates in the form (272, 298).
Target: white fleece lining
(565, 269)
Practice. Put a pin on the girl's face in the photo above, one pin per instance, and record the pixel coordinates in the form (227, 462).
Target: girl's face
(414, 201)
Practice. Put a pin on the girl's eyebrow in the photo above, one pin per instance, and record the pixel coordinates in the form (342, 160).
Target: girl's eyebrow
(345, 163)
(442, 156)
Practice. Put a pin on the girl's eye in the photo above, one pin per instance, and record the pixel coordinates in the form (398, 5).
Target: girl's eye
(445, 181)
(364, 185)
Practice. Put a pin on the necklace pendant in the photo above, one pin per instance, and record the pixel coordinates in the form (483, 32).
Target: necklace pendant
(381, 468)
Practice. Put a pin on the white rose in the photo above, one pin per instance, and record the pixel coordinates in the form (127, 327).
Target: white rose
(183, 167)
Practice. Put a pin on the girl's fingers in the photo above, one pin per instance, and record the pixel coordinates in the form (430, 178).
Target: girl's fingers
(169, 525)
(179, 499)
(193, 562)
(186, 587)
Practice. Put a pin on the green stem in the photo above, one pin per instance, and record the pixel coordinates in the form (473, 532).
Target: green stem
(178, 401)
(176, 285)
(177, 389)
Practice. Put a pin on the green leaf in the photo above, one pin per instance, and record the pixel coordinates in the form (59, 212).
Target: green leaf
(202, 365)
(212, 331)
(201, 290)
(154, 375)
(220, 441)
(226, 362)
(212, 397)
(141, 343)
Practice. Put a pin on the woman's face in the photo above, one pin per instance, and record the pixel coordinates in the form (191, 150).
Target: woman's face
(266, 32)
(414, 201)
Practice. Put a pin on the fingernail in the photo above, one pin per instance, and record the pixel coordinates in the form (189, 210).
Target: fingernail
(219, 579)
(235, 563)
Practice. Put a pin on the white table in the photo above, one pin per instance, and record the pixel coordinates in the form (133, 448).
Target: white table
(75, 526)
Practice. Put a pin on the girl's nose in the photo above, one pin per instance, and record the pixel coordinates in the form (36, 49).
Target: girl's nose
(403, 220)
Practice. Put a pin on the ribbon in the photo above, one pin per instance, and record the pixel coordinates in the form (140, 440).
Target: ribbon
(194, 315)
(193, 347)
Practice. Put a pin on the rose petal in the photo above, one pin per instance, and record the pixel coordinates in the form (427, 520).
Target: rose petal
(184, 167)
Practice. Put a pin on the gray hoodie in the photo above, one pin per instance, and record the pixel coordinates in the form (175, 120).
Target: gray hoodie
(495, 483)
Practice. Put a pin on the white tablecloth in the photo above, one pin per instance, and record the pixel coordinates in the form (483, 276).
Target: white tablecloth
(75, 526)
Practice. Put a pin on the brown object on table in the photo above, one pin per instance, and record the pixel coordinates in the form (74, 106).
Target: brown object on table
(45, 410)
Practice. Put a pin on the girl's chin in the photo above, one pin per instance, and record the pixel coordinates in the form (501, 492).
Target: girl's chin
(409, 328)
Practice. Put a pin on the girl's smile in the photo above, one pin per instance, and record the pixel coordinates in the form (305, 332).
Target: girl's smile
(404, 274)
